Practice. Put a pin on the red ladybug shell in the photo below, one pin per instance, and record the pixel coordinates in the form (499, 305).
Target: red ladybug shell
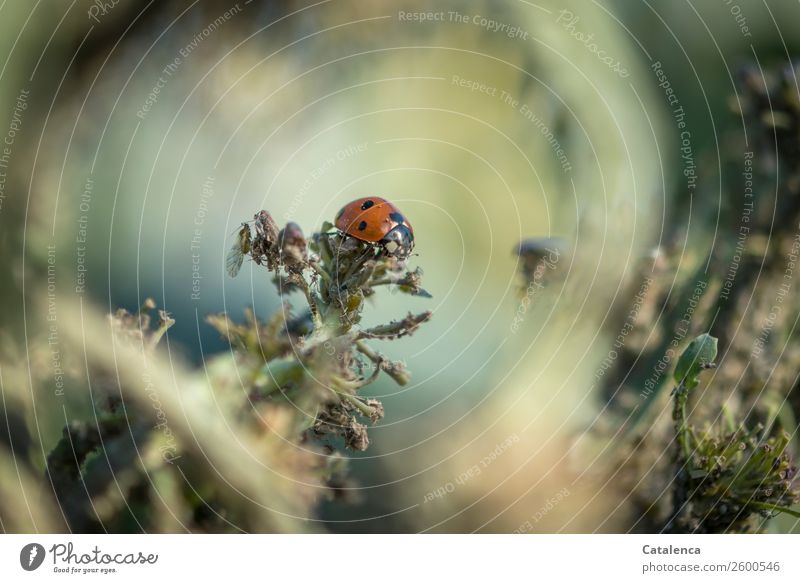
(370, 218)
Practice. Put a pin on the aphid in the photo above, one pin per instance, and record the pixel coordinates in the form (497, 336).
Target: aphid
(233, 262)
(377, 221)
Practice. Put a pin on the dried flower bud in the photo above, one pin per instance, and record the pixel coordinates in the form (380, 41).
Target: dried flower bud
(262, 245)
(355, 436)
(293, 247)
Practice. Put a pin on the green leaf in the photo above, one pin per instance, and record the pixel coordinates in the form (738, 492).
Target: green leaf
(701, 352)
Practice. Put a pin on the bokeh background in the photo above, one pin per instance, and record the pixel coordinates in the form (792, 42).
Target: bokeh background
(139, 135)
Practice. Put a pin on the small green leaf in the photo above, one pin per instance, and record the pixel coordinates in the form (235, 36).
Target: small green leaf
(701, 352)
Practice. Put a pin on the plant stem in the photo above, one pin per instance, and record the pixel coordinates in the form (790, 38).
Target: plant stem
(394, 330)
(162, 329)
(313, 306)
(361, 405)
(771, 507)
(682, 456)
(400, 376)
(681, 425)
(365, 409)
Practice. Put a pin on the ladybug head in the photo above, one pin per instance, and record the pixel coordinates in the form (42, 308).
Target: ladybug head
(399, 242)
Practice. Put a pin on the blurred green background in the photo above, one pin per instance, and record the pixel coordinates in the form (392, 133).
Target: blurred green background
(152, 130)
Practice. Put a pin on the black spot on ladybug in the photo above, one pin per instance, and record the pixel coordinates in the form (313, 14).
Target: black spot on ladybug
(367, 204)
(397, 218)
(362, 225)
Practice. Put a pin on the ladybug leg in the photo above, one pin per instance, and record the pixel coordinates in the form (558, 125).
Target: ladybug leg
(363, 257)
(370, 252)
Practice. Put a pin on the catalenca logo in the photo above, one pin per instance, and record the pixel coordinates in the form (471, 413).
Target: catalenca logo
(31, 556)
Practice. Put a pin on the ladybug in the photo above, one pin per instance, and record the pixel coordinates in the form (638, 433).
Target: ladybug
(375, 220)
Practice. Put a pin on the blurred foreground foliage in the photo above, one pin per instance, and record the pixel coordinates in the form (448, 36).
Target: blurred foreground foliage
(737, 472)
(289, 387)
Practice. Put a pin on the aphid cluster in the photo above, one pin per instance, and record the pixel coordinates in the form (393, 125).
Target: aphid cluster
(319, 359)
